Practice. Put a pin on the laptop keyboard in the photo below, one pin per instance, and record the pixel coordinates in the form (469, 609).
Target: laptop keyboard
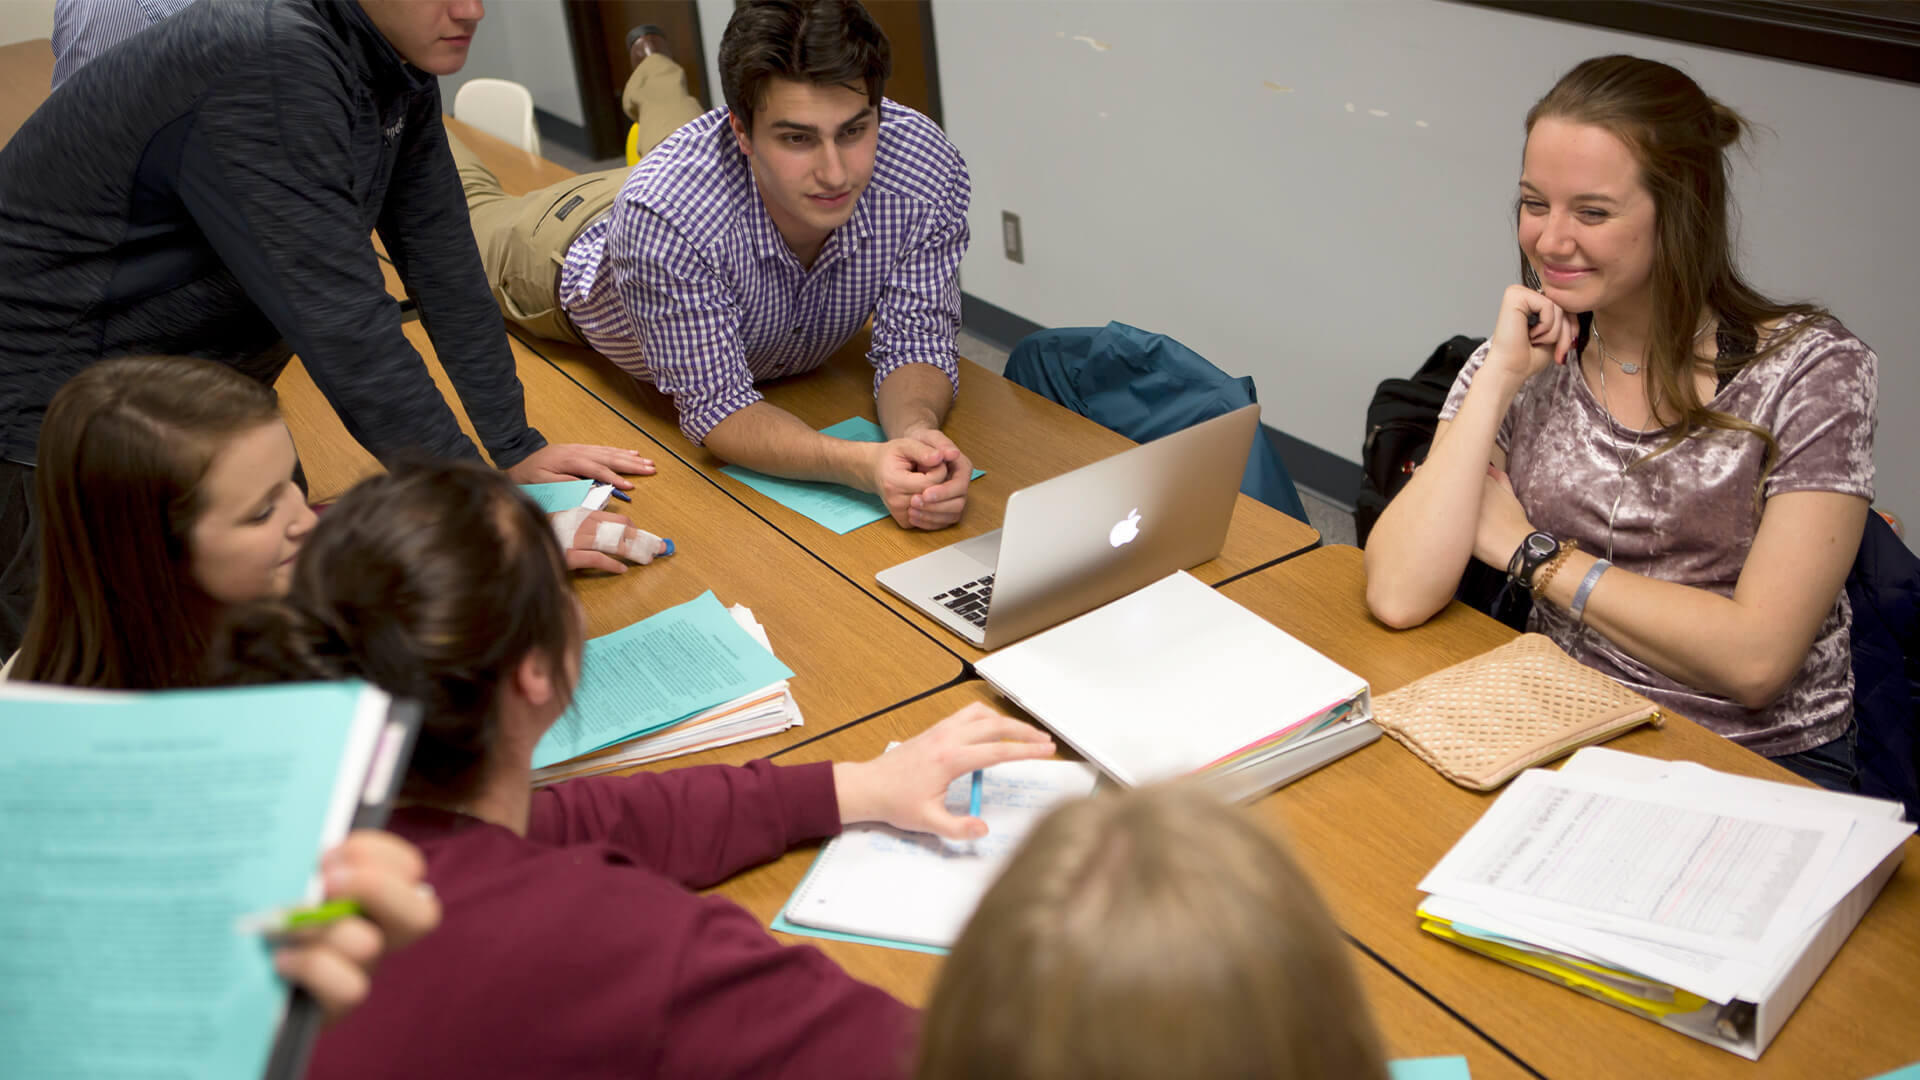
(969, 601)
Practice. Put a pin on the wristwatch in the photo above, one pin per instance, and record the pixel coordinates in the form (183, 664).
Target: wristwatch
(1531, 555)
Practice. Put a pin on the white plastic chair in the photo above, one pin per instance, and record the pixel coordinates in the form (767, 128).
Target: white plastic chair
(499, 107)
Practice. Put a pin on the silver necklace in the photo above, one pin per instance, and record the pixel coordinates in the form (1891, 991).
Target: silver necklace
(1627, 366)
(1625, 459)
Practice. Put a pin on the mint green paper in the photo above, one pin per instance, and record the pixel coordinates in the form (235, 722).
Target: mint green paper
(553, 498)
(781, 924)
(1429, 1068)
(656, 673)
(133, 834)
(834, 506)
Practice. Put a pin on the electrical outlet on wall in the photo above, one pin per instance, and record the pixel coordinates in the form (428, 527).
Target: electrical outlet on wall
(1010, 236)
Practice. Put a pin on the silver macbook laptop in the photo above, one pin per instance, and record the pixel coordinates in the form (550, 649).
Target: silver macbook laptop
(1074, 542)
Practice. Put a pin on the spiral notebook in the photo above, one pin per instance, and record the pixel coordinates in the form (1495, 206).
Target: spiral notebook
(878, 885)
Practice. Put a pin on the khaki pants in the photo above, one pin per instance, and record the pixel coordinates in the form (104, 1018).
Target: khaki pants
(523, 239)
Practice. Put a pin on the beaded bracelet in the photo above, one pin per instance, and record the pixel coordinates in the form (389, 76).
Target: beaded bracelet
(1545, 573)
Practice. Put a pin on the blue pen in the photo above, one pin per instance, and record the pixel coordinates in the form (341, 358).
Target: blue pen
(973, 800)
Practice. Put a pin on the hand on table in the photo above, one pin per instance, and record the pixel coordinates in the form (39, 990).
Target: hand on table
(907, 786)
(556, 462)
(335, 962)
(599, 539)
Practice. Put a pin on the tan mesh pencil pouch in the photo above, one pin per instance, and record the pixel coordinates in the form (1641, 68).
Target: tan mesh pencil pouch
(1523, 704)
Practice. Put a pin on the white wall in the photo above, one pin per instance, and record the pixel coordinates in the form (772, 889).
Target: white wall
(1218, 172)
(525, 41)
(713, 22)
(24, 20)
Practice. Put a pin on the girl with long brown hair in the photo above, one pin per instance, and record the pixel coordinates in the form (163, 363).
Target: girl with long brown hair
(1678, 467)
(573, 942)
(166, 493)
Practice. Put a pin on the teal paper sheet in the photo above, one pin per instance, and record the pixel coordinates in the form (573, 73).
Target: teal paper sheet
(133, 834)
(656, 673)
(834, 506)
(553, 498)
(1429, 1068)
(781, 924)
(1911, 1072)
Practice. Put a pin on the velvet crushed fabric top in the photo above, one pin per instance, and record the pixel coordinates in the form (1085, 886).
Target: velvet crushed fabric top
(1688, 516)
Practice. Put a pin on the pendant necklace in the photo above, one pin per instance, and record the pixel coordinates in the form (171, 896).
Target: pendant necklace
(1627, 366)
(1625, 459)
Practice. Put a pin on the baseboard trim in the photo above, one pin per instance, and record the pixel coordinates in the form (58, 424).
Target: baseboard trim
(563, 131)
(1327, 474)
(994, 324)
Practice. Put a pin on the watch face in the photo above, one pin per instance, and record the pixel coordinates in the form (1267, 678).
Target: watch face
(1541, 544)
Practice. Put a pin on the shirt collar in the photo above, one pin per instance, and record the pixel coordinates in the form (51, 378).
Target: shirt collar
(842, 243)
(424, 825)
(847, 240)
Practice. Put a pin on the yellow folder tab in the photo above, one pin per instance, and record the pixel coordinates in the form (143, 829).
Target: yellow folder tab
(1654, 1000)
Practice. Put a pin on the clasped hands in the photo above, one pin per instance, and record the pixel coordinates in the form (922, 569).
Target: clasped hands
(922, 478)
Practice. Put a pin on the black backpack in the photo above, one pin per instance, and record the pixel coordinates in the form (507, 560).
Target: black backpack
(1400, 422)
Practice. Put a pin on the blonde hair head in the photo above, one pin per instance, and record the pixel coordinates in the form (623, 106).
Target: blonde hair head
(1154, 933)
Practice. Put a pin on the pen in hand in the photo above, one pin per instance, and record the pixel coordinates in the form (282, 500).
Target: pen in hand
(281, 923)
(973, 799)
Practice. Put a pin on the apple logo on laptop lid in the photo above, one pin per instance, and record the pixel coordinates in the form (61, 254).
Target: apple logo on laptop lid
(1124, 531)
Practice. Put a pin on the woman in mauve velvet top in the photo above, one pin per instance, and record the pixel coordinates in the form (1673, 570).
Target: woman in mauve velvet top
(572, 941)
(1677, 466)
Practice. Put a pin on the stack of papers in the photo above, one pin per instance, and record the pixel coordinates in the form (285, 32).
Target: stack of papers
(691, 678)
(1707, 902)
(878, 885)
(138, 831)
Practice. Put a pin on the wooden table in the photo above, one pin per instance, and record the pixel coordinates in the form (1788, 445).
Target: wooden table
(1017, 436)
(1370, 826)
(852, 657)
(26, 78)
(1412, 1025)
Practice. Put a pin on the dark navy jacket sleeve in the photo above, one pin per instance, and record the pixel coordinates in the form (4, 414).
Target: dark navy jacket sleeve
(286, 205)
(425, 228)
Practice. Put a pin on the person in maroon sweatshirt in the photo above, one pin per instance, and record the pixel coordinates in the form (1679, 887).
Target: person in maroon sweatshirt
(572, 943)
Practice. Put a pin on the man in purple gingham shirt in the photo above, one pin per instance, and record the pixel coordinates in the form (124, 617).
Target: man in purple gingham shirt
(757, 239)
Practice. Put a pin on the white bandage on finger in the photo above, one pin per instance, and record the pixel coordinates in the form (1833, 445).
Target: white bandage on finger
(609, 537)
(566, 525)
(633, 545)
